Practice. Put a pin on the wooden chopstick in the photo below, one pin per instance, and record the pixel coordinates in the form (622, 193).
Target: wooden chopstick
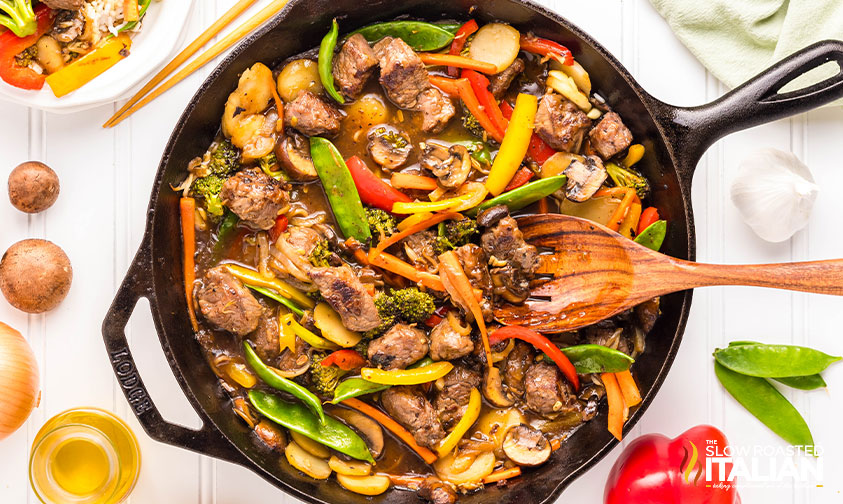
(211, 53)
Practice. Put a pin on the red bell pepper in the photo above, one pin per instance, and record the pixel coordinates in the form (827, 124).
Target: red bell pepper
(648, 217)
(437, 316)
(538, 150)
(544, 47)
(480, 86)
(373, 191)
(541, 343)
(654, 469)
(345, 359)
(473, 105)
(459, 41)
(279, 227)
(11, 45)
(522, 176)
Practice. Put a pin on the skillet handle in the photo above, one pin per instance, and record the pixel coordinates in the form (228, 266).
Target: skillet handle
(137, 284)
(755, 102)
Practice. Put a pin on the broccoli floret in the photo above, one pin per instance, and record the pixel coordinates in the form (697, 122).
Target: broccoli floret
(225, 159)
(409, 305)
(472, 125)
(383, 302)
(208, 189)
(321, 254)
(362, 347)
(268, 165)
(25, 58)
(453, 234)
(628, 177)
(18, 16)
(324, 378)
(381, 224)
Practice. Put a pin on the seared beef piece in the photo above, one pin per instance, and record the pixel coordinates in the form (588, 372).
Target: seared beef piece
(605, 333)
(474, 263)
(255, 197)
(447, 344)
(346, 294)
(401, 346)
(265, 337)
(610, 136)
(312, 116)
(584, 178)
(418, 248)
(227, 303)
(560, 123)
(436, 491)
(515, 366)
(436, 108)
(499, 83)
(409, 407)
(546, 393)
(272, 436)
(353, 66)
(513, 261)
(68, 25)
(647, 313)
(451, 165)
(389, 147)
(452, 399)
(64, 4)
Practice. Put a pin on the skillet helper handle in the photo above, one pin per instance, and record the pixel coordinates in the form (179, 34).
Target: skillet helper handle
(138, 284)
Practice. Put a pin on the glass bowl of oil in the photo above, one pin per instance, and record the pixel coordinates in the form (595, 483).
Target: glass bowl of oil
(84, 456)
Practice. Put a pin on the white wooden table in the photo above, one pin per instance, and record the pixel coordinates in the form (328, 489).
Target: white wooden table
(106, 177)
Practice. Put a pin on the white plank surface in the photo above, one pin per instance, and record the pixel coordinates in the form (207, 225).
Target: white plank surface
(106, 178)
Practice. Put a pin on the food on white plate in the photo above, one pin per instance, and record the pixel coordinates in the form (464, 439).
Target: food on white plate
(33, 187)
(18, 381)
(35, 275)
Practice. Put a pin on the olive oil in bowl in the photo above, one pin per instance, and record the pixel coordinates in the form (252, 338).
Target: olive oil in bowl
(84, 456)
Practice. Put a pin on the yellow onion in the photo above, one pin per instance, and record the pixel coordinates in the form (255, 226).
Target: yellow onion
(18, 381)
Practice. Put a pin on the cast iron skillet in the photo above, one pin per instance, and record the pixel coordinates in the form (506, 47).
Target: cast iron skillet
(675, 139)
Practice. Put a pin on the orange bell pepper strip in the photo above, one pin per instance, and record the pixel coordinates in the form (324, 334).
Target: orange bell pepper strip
(631, 394)
(455, 60)
(617, 407)
(392, 426)
(187, 207)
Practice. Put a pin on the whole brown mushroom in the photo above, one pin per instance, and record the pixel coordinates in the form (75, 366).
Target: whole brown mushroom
(35, 275)
(33, 187)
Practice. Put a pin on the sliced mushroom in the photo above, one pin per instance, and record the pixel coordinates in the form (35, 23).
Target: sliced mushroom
(294, 154)
(584, 178)
(365, 426)
(451, 165)
(389, 147)
(271, 435)
(526, 446)
(493, 389)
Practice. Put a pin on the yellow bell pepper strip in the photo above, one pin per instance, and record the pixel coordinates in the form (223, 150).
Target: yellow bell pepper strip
(430, 206)
(395, 265)
(633, 155)
(392, 426)
(516, 140)
(252, 277)
(630, 222)
(472, 411)
(130, 10)
(89, 66)
(288, 323)
(459, 287)
(474, 194)
(286, 334)
(187, 206)
(415, 376)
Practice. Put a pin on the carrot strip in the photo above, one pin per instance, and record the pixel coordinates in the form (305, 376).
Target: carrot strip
(629, 197)
(502, 474)
(395, 265)
(421, 226)
(543, 206)
(555, 444)
(631, 394)
(187, 206)
(455, 60)
(446, 85)
(630, 222)
(403, 480)
(391, 425)
(616, 404)
(451, 273)
(412, 181)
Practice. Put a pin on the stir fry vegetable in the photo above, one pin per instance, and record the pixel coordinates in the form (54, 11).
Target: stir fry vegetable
(525, 195)
(541, 343)
(653, 236)
(392, 426)
(415, 376)
(11, 44)
(326, 59)
(589, 359)
(514, 144)
(457, 45)
(355, 387)
(472, 412)
(340, 189)
(373, 191)
(83, 70)
(419, 35)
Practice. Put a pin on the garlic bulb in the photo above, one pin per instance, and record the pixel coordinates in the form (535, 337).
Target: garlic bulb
(774, 193)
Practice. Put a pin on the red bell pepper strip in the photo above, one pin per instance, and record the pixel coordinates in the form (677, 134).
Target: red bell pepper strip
(538, 150)
(373, 191)
(345, 359)
(522, 176)
(11, 45)
(437, 316)
(654, 468)
(280, 226)
(480, 86)
(544, 47)
(459, 41)
(648, 217)
(473, 105)
(541, 343)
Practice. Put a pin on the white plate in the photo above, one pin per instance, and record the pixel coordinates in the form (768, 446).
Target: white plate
(162, 33)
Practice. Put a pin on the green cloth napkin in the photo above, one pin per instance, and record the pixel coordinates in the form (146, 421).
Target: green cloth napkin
(737, 39)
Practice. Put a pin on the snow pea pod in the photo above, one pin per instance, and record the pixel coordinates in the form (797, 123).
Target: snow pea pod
(774, 361)
(340, 189)
(226, 229)
(283, 384)
(275, 297)
(597, 359)
(525, 195)
(808, 382)
(767, 404)
(419, 35)
(325, 63)
(294, 416)
(143, 6)
(653, 236)
(355, 387)
(478, 150)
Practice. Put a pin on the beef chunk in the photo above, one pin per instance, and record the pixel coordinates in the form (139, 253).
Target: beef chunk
(65, 4)
(546, 393)
(647, 313)
(514, 261)
(448, 344)
(584, 178)
(346, 294)
(265, 337)
(297, 244)
(398, 348)
(227, 303)
(353, 66)
(499, 83)
(436, 108)
(606, 333)
(515, 366)
(436, 491)
(411, 409)
(452, 399)
(255, 197)
(68, 25)
(474, 263)
(561, 124)
(312, 116)
(610, 136)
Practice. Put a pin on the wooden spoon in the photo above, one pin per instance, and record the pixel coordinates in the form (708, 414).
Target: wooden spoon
(599, 273)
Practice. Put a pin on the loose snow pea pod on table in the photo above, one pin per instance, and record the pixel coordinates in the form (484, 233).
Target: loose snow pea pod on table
(294, 416)
(340, 189)
(419, 35)
(523, 196)
(807, 382)
(774, 361)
